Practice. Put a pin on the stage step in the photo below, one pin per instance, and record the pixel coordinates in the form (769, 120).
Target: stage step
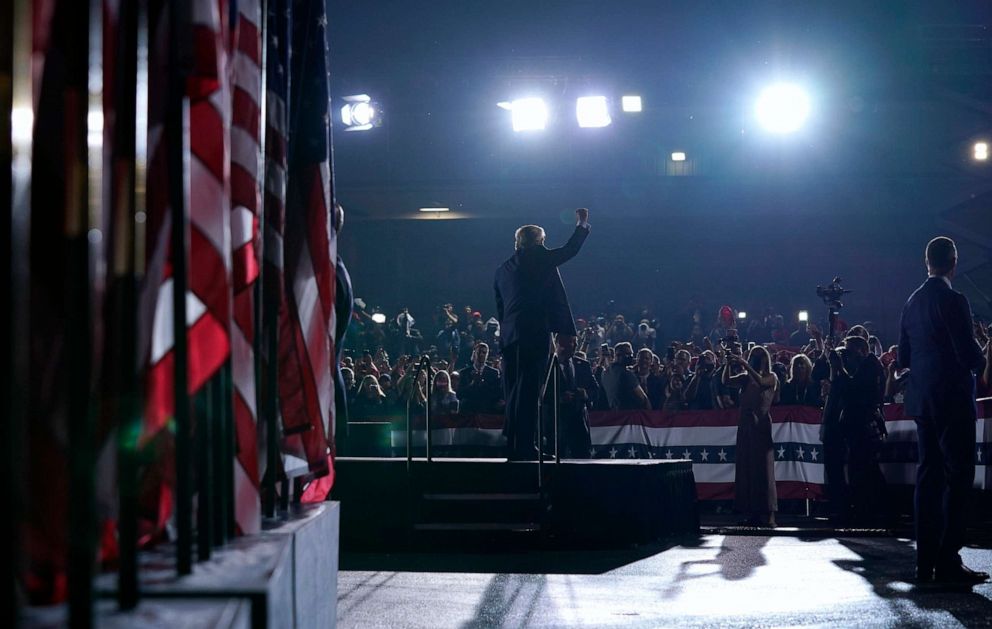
(464, 509)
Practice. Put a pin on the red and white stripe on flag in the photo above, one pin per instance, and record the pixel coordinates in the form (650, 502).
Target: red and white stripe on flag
(246, 81)
(208, 301)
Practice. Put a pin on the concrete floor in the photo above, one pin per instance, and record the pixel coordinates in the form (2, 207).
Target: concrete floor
(719, 581)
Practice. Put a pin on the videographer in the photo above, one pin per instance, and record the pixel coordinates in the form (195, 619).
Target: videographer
(623, 391)
(858, 380)
(701, 390)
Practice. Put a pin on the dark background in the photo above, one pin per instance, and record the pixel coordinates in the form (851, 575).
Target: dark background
(900, 91)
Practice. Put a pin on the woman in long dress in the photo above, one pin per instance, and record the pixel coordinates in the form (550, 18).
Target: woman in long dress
(754, 483)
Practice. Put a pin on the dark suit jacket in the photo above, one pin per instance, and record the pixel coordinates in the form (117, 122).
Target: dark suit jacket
(530, 297)
(937, 343)
(479, 393)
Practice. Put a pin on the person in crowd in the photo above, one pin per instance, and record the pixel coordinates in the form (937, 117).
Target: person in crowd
(348, 378)
(444, 401)
(760, 329)
(479, 389)
(895, 383)
(370, 401)
(801, 335)
(780, 333)
(725, 322)
(754, 481)
(937, 344)
(656, 383)
(875, 347)
(983, 385)
(799, 388)
(700, 393)
(366, 366)
(644, 337)
(531, 306)
(675, 389)
(622, 389)
(576, 392)
(642, 366)
(619, 331)
(858, 379)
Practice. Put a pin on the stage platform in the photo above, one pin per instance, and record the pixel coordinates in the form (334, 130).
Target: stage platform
(393, 503)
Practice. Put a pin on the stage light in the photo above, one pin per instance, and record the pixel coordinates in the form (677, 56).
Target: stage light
(742, 315)
(678, 156)
(631, 104)
(526, 114)
(21, 125)
(378, 317)
(592, 111)
(981, 151)
(803, 316)
(359, 113)
(782, 108)
(435, 209)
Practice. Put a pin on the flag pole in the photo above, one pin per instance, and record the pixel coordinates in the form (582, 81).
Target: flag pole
(15, 149)
(131, 35)
(83, 36)
(259, 288)
(205, 438)
(177, 129)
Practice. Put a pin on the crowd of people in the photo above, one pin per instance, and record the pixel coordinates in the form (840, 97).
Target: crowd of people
(632, 369)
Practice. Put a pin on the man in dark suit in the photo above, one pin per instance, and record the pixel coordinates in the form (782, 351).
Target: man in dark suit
(531, 305)
(479, 389)
(344, 309)
(937, 344)
(577, 389)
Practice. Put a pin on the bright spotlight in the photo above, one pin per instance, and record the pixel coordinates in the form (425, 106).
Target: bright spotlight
(359, 113)
(742, 315)
(678, 156)
(378, 317)
(631, 103)
(782, 108)
(435, 209)
(803, 315)
(592, 111)
(527, 114)
(981, 151)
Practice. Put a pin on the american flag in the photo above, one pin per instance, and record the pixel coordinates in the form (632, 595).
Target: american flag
(306, 322)
(208, 301)
(246, 77)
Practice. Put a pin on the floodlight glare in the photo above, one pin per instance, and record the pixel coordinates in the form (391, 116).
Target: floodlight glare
(592, 111)
(742, 315)
(782, 108)
(631, 104)
(359, 113)
(435, 209)
(803, 315)
(527, 114)
(678, 156)
(981, 151)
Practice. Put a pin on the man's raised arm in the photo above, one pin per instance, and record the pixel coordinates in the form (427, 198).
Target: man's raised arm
(563, 254)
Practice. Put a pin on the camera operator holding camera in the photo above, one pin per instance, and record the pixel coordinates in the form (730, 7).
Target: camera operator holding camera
(700, 393)
(857, 379)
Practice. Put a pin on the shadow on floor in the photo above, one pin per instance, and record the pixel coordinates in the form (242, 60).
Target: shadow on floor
(534, 562)
(888, 565)
(509, 600)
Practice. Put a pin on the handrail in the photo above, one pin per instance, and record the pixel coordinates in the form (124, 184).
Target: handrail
(424, 364)
(552, 377)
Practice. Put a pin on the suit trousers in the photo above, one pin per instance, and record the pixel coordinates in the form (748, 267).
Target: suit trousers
(943, 483)
(524, 368)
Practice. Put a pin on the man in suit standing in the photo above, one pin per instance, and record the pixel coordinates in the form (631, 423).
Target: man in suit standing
(937, 344)
(344, 309)
(531, 305)
(479, 389)
(577, 389)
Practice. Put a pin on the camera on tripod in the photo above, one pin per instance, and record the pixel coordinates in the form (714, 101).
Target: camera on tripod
(831, 294)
